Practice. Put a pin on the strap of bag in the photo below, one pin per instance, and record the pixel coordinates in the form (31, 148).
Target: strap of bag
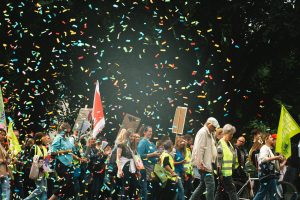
(132, 154)
(35, 151)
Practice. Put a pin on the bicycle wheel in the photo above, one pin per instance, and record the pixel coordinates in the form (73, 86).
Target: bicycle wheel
(286, 191)
(245, 193)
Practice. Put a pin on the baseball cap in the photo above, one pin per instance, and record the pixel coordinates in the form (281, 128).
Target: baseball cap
(213, 121)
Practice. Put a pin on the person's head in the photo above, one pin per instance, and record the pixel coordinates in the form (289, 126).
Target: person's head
(92, 141)
(2, 135)
(46, 139)
(107, 149)
(98, 142)
(29, 143)
(180, 143)
(38, 138)
(212, 124)
(159, 145)
(132, 137)
(75, 133)
(219, 133)
(228, 131)
(65, 128)
(76, 143)
(147, 132)
(189, 139)
(240, 141)
(168, 145)
(123, 136)
(256, 135)
(137, 137)
(268, 139)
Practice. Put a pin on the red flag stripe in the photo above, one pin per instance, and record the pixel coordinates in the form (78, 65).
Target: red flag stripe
(98, 114)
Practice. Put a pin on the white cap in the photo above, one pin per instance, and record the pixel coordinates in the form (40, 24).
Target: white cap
(213, 121)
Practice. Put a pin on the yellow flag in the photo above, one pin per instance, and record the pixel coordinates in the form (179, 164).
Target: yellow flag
(287, 128)
(14, 145)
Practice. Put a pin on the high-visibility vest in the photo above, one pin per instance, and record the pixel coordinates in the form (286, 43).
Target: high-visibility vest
(171, 161)
(42, 154)
(188, 165)
(229, 161)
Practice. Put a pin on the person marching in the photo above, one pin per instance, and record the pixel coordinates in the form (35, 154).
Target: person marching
(203, 156)
(127, 170)
(62, 149)
(167, 162)
(149, 154)
(41, 151)
(227, 161)
(4, 174)
(267, 163)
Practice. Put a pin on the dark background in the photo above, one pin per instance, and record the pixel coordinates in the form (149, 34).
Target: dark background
(150, 57)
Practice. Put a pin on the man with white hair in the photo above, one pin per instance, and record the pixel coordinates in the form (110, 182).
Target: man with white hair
(227, 161)
(203, 156)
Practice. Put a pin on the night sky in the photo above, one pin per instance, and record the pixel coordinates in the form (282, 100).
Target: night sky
(149, 57)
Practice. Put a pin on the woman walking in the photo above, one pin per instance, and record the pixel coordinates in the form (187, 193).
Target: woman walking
(127, 170)
(40, 150)
(266, 171)
(168, 191)
(179, 160)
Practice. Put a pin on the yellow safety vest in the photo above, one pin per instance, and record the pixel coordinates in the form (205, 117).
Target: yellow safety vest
(229, 158)
(171, 161)
(42, 154)
(39, 152)
(188, 166)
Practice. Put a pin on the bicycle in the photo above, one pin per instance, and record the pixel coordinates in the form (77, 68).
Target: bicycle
(285, 190)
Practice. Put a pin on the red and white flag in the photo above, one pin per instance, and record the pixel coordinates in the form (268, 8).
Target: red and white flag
(97, 114)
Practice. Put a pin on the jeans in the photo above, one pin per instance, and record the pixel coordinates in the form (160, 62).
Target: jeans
(40, 191)
(168, 192)
(64, 186)
(188, 186)
(143, 181)
(180, 194)
(130, 184)
(267, 187)
(208, 181)
(5, 188)
(228, 187)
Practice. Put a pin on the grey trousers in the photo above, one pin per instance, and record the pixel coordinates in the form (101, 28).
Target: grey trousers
(207, 184)
(227, 187)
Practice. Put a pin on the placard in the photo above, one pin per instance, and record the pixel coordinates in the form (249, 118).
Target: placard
(131, 122)
(83, 119)
(179, 120)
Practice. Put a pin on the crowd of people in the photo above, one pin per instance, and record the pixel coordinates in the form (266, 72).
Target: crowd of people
(134, 167)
